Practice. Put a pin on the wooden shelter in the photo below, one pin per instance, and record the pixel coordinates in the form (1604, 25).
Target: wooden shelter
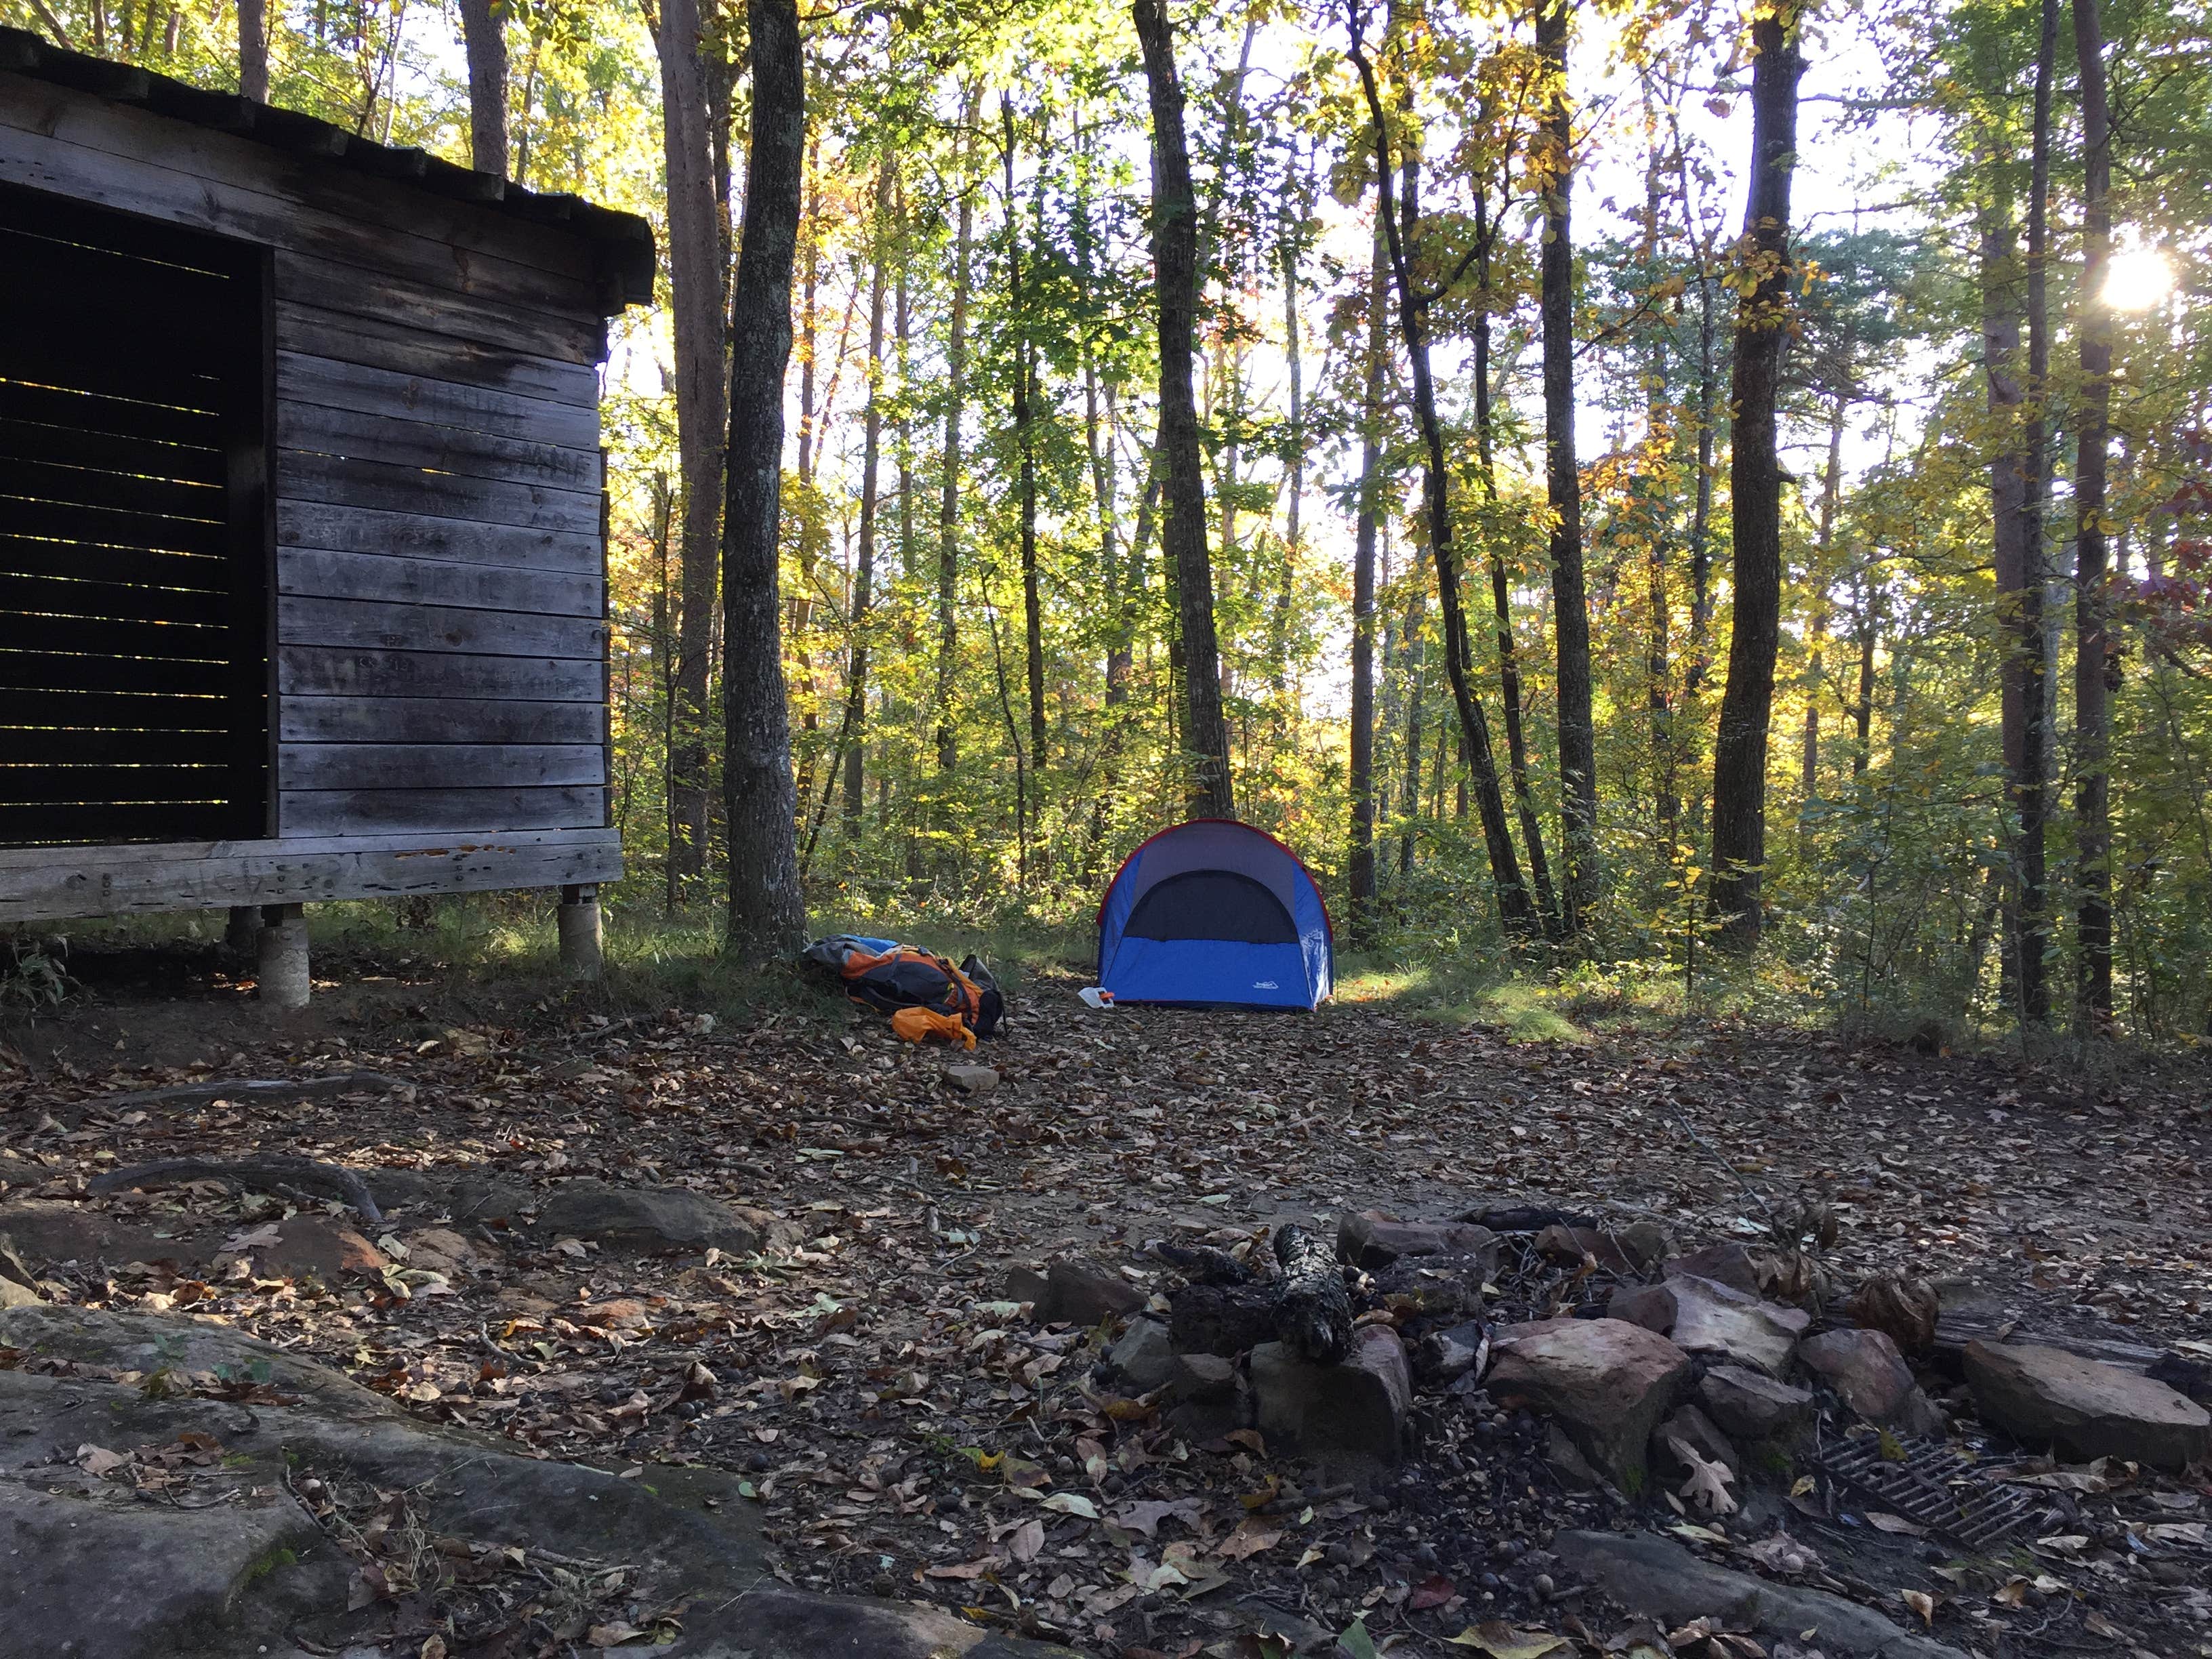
(302, 512)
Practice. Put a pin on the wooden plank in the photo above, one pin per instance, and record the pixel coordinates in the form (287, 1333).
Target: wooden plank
(330, 383)
(51, 883)
(25, 555)
(127, 416)
(410, 301)
(414, 443)
(125, 711)
(362, 622)
(40, 596)
(107, 452)
(80, 521)
(314, 331)
(431, 766)
(438, 719)
(307, 570)
(310, 671)
(301, 182)
(339, 527)
(302, 477)
(330, 811)
(43, 671)
(65, 827)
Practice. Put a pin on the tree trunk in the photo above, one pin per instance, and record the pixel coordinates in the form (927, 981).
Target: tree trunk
(1501, 600)
(1292, 232)
(948, 509)
(483, 38)
(768, 914)
(1416, 682)
(1756, 489)
(1816, 633)
(1569, 604)
(1515, 914)
(2027, 684)
(854, 729)
(2095, 661)
(1175, 258)
(253, 50)
(695, 283)
(1360, 865)
(1026, 441)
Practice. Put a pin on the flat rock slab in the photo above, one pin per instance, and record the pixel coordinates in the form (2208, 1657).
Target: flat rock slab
(1869, 1374)
(1712, 1318)
(1608, 1382)
(1753, 1405)
(1662, 1581)
(2043, 1397)
(645, 1219)
(239, 1564)
(1357, 1409)
(1372, 1240)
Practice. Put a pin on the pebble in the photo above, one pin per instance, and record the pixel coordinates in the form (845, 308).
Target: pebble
(1542, 1585)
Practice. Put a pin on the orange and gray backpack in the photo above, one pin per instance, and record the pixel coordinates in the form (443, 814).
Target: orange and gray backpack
(923, 992)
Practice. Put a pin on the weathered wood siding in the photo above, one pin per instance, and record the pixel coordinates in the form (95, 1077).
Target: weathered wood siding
(438, 636)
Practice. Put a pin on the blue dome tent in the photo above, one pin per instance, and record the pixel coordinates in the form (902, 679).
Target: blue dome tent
(1217, 914)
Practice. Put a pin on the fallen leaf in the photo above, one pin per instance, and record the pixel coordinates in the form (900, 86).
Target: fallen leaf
(1069, 1503)
(98, 1461)
(612, 1634)
(1253, 1536)
(1027, 1540)
(1501, 1641)
(2097, 1624)
(1922, 1603)
(1432, 1592)
(1882, 1521)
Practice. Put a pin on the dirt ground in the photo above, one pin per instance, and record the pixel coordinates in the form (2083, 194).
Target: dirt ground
(896, 1414)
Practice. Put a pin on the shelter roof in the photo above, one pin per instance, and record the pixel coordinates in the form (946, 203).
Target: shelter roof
(624, 240)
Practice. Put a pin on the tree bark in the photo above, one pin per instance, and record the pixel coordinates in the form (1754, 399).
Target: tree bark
(1755, 488)
(1501, 600)
(484, 39)
(1563, 482)
(2095, 661)
(948, 508)
(1025, 441)
(252, 50)
(767, 912)
(855, 725)
(695, 281)
(2028, 923)
(1359, 872)
(1515, 914)
(1175, 262)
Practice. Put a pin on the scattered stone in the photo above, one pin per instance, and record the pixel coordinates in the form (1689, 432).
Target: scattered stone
(1357, 1409)
(1572, 1244)
(2043, 1396)
(1652, 1306)
(1754, 1406)
(1444, 1357)
(50, 1232)
(19, 1286)
(645, 1219)
(1206, 1378)
(1722, 1262)
(972, 1079)
(1647, 1243)
(1083, 1293)
(1871, 1377)
(1144, 1356)
(442, 1250)
(1608, 1382)
(1660, 1580)
(1437, 1286)
(1567, 1461)
(778, 1233)
(1711, 1318)
(1372, 1240)
(313, 1246)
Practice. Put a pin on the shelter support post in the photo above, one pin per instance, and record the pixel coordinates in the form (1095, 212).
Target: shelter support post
(283, 956)
(579, 922)
(242, 928)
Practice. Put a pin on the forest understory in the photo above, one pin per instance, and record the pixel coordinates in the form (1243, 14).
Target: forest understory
(905, 1431)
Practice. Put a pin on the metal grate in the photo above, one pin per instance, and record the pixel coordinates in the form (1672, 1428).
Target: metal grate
(1932, 1484)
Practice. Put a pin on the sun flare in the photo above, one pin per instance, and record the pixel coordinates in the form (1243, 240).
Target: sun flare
(2136, 279)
